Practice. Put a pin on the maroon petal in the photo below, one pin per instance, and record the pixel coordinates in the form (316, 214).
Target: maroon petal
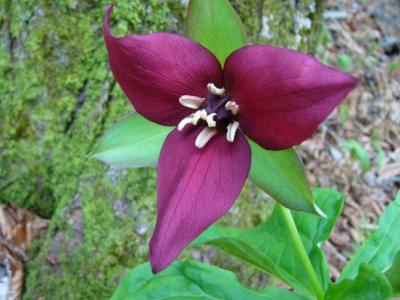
(155, 70)
(195, 188)
(283, 95)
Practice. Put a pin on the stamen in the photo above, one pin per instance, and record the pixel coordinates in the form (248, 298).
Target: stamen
(232, 128)
(204, 136)
(216, 91)
(200, 114)
(184, 122)
(191, 101)
(210, 120)
(232, 106)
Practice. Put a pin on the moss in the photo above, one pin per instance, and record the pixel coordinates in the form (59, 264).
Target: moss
(286, 23)
(57, 98)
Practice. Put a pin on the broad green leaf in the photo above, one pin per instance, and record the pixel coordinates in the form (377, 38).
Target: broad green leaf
(270, 248)
(380, 250)
(393, 275)
(191, 280)
(216, 26)
(133, 142)
(281, 174)
(369, 284)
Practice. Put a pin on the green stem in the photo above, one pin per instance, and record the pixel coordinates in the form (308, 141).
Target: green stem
(301, 251)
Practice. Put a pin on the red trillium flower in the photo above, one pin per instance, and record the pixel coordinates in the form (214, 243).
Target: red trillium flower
(275, 96)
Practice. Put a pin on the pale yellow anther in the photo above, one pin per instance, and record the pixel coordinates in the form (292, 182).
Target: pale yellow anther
(193, 102)
(184, 122)
(210, 120)
(200, 114)
(204, 136)
(231, 131)
(214, 90)
(232, 106)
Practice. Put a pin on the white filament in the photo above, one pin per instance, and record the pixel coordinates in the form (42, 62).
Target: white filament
(231, 131)
(184, 122)
(204, 136)
(193, 102)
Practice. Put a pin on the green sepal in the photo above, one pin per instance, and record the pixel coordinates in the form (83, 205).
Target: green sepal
(132, 142)
(281, 174)
(215, 25)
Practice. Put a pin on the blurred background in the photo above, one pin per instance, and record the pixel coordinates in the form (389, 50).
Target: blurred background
(71, 227)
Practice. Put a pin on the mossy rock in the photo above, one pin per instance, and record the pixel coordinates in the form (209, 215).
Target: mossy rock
(57, 99)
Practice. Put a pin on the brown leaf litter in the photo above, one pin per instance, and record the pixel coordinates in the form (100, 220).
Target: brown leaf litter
(372, 119)
(18, 228)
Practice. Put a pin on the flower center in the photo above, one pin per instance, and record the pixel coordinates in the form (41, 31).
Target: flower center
(217, 113)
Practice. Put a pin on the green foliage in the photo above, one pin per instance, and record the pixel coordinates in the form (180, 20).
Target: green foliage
(190, 280)
(216, 26)
(394, 66)
(358, 152)
(344, 62)
(269, 247)
(134, 142)
(376, 143)
(393, 275)
(381, 249)
(369, 284)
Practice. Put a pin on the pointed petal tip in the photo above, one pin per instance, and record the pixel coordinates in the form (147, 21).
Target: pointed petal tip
(158, 261)
(189, 183)
(283, 95)
(107, 17)
(106, 23)
(355, 81)
(155, 269)
(350, 80)
(142, 64)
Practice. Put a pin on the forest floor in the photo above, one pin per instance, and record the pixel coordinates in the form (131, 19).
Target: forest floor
(366, 129)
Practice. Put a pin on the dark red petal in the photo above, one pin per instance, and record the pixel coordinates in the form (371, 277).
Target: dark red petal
(283, 95)
(195, 188)
(155, 70)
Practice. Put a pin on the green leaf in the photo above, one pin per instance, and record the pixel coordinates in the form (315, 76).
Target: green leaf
(270, 248)
(216, 26)
(369, 284)
(133, 142)
(359, 153)
(381, 249)
(393, 275)
(191, 280)
(281, 174)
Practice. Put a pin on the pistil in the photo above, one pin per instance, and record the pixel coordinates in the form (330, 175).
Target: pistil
(217, 112)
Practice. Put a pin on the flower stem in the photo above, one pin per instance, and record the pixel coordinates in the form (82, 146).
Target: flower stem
(301, 251)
